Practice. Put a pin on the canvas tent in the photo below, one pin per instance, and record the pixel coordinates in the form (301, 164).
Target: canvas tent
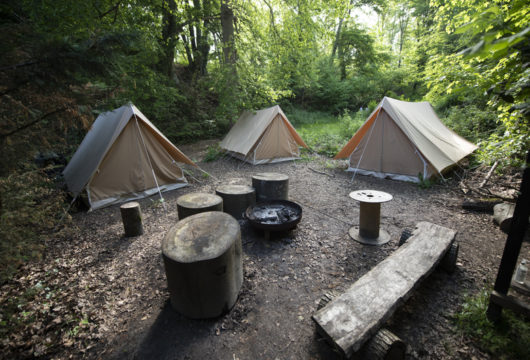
(401, 140)
(124, 157)
(264, 136)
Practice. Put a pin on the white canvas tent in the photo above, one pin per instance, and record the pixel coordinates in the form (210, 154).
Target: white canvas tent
(264, 136)
(401, 140)
(124, 157)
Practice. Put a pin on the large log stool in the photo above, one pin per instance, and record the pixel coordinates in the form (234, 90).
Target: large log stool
(194, 203)
(203, 262)
(236, 198)
(271, 186)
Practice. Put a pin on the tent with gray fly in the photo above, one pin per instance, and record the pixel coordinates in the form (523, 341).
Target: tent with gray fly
(124, 157)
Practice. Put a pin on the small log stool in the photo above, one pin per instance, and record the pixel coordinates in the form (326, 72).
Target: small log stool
(271, 186)
(236, 198)
(131, 215)
(368, 231)
(203, 263)
(194, 203)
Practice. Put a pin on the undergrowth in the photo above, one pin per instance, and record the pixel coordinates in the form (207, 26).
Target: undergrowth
(213, 152)
(325, 133)
(508, 339)
(30, 208)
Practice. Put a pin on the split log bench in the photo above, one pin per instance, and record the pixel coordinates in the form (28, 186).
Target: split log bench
(349, 320)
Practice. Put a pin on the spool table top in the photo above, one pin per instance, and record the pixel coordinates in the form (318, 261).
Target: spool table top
(371, 196)
(270, 176)
(198, 200)
(199, 237)
(232, 189)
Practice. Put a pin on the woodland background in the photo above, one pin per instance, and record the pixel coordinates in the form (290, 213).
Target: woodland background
(192, 66)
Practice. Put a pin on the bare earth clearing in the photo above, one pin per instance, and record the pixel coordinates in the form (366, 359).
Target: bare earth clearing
(120, 285)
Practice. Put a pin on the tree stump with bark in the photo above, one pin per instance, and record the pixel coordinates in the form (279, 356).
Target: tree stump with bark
(236, 198)
(203, 263)
(195, 203)
(131, 216)
(271, 186)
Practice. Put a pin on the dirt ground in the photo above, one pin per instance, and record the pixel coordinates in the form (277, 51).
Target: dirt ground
(120, 284)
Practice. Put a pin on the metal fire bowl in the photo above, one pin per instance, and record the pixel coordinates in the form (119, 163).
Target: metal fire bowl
(288, 225)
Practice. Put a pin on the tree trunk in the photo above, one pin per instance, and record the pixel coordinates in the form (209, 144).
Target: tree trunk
(169, 36)
(337, 34)
(227, 27)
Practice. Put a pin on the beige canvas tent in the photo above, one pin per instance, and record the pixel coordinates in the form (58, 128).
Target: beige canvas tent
(401, 140)
(264, 136)
(124, 157)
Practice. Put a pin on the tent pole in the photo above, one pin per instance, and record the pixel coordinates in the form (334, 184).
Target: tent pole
(150, 165)
(364, 148)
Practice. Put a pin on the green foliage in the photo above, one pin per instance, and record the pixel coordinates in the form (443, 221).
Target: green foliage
(509, 339)
(491, 65)
(213, 152)
(30, 209)
(426, 183)
(470, 121)
(325, 133)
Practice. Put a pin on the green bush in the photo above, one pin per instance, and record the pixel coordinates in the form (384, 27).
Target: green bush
(470, 121)
(30, 209)
(213, 152)
(509, 339)
(324, 133)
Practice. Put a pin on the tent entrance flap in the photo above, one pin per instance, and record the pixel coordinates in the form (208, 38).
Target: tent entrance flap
(149, 161)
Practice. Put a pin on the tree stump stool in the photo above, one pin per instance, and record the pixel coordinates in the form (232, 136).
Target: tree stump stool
(236, 198)
(271, 186)
(194, 203)
(203, 262)
(131, 215)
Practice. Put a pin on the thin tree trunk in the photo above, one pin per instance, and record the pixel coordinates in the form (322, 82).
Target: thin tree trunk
(229, 51)
(169, 36)
(227, 27)
(336, 43)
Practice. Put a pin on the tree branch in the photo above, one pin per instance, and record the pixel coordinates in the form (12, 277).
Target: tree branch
(114, 8)
(16, 66)
(3, 136)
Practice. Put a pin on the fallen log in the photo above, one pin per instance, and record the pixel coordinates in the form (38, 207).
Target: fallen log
(503, 215)
(482, 205)
(489, 174)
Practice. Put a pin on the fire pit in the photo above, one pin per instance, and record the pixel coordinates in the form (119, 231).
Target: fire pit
(274, 215)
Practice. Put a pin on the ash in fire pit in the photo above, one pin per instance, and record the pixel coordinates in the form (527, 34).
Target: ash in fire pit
(274, 215)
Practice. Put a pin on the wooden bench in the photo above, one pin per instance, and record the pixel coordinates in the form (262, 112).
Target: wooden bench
(350, 319)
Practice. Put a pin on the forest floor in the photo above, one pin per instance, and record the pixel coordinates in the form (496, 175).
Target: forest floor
(118, 284)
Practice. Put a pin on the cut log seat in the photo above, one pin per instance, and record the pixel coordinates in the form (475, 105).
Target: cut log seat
(349, 320)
